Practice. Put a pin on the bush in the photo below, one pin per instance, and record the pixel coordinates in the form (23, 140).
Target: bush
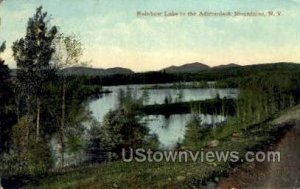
(28, 157)
(122, 130)
(196, 135)
(39, 158)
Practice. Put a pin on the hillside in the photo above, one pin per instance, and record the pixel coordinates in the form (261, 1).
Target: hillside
(187, 68)
(96, 71)
(226, 66)
(90, 71)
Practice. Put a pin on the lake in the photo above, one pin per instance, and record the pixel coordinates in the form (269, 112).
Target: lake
(169, 130)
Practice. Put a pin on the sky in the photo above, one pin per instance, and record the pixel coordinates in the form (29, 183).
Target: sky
(114, 36)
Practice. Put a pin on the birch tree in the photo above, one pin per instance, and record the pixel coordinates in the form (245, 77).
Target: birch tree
(33, 54)
(68, 53)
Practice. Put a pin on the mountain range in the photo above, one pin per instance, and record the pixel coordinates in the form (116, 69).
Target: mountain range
(194, 68)
(96, 71)
(185, 68)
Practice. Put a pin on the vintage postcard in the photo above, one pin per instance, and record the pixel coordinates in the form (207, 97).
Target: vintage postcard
(149, 94)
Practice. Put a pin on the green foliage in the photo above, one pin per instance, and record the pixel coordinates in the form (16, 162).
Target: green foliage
(68, 50)
(151, 142)
(36, 78)
(7, 115)
(33, 53)
(4, 81)
(31, 158)
(34, 68)
(2, 47)
(19, 134)
(94, 148)
(39, 158)
(195, 135)
(265, 94)
(74, 144)
(122, 129)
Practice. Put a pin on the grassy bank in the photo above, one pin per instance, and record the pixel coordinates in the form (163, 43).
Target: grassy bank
(172, 175)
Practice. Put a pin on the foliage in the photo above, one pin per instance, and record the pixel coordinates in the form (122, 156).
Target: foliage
(26, 159)
(122, 130)
(94, 148)
(195, 134)
(7, 116)
(33, 53)
(68, 50)
(39, 158)
(264, 95)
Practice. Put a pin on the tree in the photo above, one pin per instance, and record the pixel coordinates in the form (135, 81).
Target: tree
(7, 117)
(195, 134)
(68, 53)
(33, 54)
(122, 128)
(4, 75)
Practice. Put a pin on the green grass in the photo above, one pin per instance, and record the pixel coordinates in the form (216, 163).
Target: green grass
(148, 174)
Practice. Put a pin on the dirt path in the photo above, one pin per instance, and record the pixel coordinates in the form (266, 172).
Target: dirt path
(273, 175)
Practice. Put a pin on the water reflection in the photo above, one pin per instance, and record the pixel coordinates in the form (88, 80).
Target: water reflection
(170, 130)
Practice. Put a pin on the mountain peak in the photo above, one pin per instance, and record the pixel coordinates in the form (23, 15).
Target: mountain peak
(230, 65)
(187, 68)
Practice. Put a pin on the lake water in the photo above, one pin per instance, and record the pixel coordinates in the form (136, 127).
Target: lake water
(169, 130)
(106, 102)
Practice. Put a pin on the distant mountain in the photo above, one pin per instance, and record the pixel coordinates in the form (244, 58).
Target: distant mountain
(187, 68)
(89, 71)
(96, 71)
(227, 66)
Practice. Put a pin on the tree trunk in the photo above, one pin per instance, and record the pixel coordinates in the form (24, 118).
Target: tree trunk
(28, 117)
(17, 104)
(38, 111)
(62, 124)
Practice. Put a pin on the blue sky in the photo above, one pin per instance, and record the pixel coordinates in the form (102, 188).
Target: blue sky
(113, 35)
